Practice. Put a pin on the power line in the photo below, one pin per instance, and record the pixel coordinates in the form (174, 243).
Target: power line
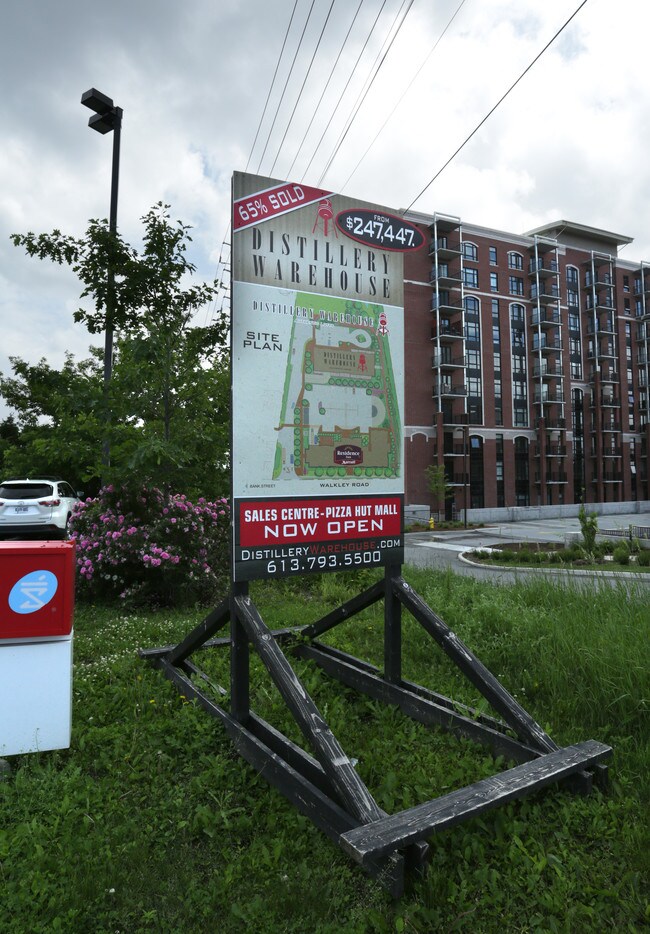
(268, 96)
(408, 88)
(338, 103)
(365, 93)
(327, 84)
(500, 101)
(284, 89)
(302, 87)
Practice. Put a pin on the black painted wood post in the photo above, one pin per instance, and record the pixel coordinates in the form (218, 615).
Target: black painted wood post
(392, 627)
(239, 658)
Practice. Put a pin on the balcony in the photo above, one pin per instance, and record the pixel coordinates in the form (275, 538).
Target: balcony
(613, 451)
(545, 343)
(547, 318)
(547, 370)
(443, 275)
(555, 424)
(545, 293)
(448, 332)
(446, 247)
(558, 476)
(548, 397)
(543, 268)
(444, 362)
(445, 303)
(449, 389)
(552, 449)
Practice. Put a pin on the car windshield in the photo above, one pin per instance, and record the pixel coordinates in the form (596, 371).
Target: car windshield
(25, 490)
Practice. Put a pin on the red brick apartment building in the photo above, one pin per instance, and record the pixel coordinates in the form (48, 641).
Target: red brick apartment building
(527, 366)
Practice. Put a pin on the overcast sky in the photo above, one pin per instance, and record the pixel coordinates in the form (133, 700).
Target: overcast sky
(192, 77)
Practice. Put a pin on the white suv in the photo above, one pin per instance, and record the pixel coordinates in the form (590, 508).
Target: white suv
(28, 507)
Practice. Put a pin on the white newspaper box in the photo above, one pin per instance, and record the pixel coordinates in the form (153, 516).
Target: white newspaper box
(36, 631)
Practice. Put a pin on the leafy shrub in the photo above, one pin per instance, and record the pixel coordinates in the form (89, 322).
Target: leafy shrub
(643, 558)
(143, 546)
(622, 554)
(525, 556)
(588, 527)
(506, 555)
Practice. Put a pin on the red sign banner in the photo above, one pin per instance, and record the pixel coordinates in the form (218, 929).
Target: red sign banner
(272, 202)
(285, 522)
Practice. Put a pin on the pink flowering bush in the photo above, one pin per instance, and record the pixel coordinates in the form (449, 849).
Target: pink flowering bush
(144, 546)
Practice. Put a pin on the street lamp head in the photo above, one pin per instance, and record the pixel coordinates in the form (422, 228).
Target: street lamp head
(103, 123)
(97, 101)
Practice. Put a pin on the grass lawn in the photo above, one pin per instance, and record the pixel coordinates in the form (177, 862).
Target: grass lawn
(150, 822)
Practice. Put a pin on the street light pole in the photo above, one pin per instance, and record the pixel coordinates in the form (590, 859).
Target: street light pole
(107, 118)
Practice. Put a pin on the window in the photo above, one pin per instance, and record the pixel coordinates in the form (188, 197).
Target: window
(515, 261)
(497, 362)
(515, 285)
(576, 369)
(474, 385)
(519, 389)
(496, 335)
(518, 364)
(518, 339)
(495, 309)
(626, 283)
(493, 256)
(470, 278)
(494, 282)
(572, 275)
(472, 332)
(572, 298)
(517, 313)
(472, 306)
(474, 359)
(470, 251)
(574, 321)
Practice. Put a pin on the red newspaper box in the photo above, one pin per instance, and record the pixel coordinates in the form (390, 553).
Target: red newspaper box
(36, 616)
(36, 589)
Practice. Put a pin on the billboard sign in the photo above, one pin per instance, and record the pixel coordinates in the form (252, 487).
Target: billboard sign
(317, 379)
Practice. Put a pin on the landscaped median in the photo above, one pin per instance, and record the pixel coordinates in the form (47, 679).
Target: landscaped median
(604, 556)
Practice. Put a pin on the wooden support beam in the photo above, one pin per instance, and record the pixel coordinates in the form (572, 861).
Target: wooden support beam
(526, 728)
(422, 709)
(392, 628)
(307, 797)
(213, 622)
(336, 764)
(239, 657)
(370, 841)
(358, 603)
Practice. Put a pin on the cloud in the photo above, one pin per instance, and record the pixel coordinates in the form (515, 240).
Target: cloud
(570, 141)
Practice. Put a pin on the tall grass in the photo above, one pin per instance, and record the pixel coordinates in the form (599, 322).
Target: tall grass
(150, 822)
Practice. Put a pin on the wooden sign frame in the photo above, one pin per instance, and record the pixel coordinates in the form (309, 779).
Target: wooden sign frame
(325, 786)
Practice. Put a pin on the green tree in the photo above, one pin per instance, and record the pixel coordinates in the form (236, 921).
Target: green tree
(56, 419)
(166, 413)
(437, 483)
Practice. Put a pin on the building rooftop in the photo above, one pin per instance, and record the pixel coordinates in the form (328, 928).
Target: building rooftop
(581, 236)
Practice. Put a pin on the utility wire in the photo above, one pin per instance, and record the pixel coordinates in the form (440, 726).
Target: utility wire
(500, 101)
(302, 87)
(365, 93)
(327, 84)
(268, 96)
(338, 103)
(302, 35)
(408, 88)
